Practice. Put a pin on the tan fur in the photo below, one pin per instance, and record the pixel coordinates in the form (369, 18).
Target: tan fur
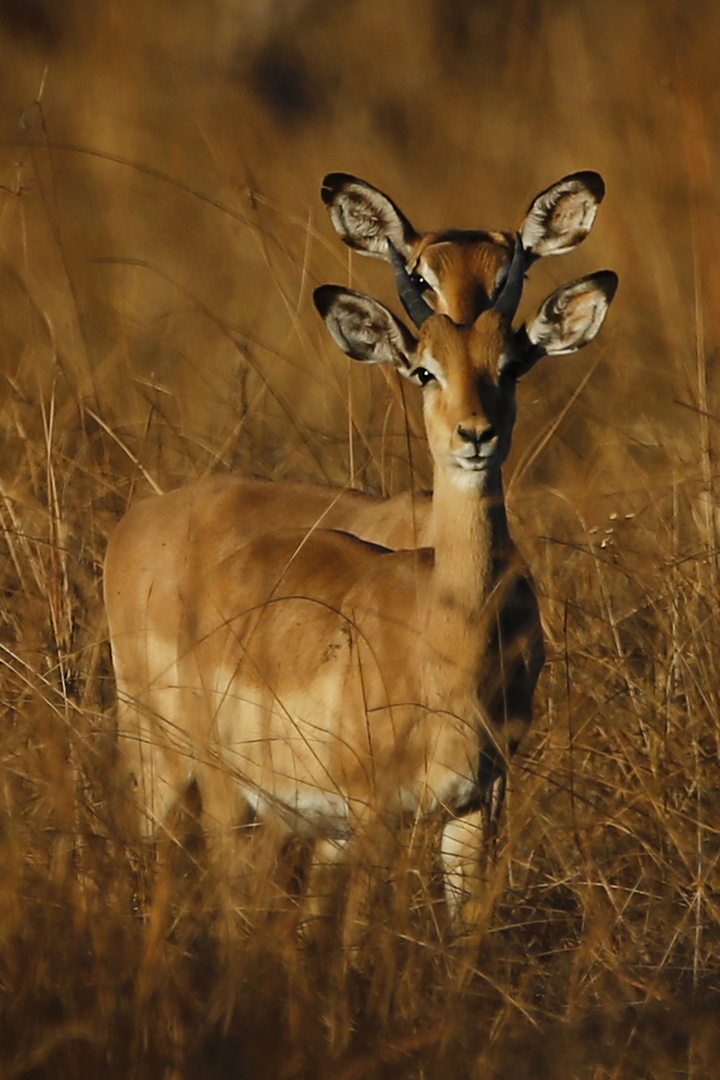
(319, 679)
(197, 644)
(466, 270)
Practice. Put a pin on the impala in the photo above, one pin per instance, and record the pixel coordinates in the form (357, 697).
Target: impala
(326, 682)
(466, 269)
(460, 271)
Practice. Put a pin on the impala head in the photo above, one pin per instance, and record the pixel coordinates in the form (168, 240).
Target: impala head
(468, 373)
(461, 272)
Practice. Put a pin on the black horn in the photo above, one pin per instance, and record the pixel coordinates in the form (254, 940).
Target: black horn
(417, 308)
(508, 299)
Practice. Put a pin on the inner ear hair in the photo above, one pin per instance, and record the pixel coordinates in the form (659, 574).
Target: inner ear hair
(364, 328)
(365, 218)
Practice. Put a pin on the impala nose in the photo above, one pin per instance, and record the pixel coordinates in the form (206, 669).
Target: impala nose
(477, 438)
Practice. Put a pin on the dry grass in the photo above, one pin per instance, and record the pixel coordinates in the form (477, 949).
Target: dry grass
(160, 234)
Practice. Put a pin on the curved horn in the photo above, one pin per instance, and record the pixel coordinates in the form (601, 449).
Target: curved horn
(417, 308)
(508, 299)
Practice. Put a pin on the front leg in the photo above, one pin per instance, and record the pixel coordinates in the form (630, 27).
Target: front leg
(465, 842)
(462, 849)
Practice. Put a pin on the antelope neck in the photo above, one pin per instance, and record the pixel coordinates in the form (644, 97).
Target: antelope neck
(471, 541)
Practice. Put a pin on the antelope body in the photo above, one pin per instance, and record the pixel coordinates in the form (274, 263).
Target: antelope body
(324, 680)
(459, 272)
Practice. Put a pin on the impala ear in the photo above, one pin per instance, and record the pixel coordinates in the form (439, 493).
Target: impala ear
(365, 218)
(560, 218)
(567, 321)
(365, 329)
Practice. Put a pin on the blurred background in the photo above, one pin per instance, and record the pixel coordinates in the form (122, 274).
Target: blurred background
(161, 233)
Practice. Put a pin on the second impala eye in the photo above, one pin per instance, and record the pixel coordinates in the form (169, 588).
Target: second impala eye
(423, 376)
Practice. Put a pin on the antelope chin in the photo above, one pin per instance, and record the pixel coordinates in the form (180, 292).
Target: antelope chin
(474, 464)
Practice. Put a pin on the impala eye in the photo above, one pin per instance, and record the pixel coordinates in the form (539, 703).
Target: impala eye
(423, 376)
(419, 281)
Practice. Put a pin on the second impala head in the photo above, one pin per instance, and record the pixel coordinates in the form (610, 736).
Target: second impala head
(460, 272)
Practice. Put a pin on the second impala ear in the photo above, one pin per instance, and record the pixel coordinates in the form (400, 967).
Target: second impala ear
(364, 328)
(365, 218)
(561, 217)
